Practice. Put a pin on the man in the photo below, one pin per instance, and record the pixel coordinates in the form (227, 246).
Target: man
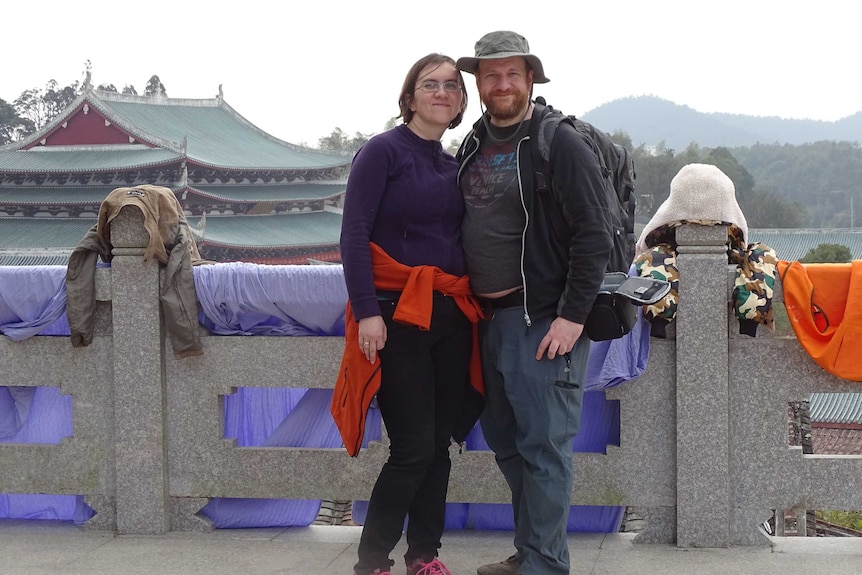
(536, 260)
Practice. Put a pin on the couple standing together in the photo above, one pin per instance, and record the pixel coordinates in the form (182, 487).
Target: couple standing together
(417, 224)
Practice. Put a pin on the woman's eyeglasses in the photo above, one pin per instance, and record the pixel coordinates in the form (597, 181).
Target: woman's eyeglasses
(431, 86)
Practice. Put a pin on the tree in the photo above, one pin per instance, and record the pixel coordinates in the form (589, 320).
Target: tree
(623, 139)
(724, 160)
(765, 209)
(42, 106)
(155, 87)
(35, 108)
(827, 253)
(340, 142)
(453, 146)
(334, 142)
(12, 125)
(58, 99)
(693, 154)
(655, 169)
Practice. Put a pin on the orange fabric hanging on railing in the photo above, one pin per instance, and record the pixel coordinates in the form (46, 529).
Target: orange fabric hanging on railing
(824, 305)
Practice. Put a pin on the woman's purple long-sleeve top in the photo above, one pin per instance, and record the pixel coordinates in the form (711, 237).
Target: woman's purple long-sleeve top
(402, 195)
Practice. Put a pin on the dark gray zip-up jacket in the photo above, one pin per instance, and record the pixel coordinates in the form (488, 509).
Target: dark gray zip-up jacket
(568, 235)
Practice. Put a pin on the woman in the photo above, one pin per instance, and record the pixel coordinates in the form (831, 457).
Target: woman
(410, 319)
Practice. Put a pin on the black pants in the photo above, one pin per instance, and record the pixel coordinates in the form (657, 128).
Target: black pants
(423, 378)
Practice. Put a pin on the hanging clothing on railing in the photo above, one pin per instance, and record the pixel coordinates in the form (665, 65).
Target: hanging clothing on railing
(824, 305)
(170, 242)
(701, 194)
(752, 292)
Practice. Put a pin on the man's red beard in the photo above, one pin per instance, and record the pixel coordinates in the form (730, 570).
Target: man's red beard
(511, 111)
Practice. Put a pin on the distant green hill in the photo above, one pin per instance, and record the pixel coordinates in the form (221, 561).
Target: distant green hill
(650, 120)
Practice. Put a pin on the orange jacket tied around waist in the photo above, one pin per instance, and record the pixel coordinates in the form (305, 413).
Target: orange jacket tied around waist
(358, 380)
(824, 305)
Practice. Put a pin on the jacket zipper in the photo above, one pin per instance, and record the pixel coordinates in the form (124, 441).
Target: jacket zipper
(527, 319)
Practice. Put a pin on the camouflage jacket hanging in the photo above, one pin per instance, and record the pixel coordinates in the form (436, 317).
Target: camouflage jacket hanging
(753, 287)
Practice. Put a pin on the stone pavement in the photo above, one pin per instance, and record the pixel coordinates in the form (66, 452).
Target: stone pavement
(50, 547)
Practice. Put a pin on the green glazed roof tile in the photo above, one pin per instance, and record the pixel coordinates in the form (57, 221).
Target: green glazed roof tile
(85, 159)
(31, 233)
(279, 230)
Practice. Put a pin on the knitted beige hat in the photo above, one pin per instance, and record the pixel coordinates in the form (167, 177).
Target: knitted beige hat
(698, 192)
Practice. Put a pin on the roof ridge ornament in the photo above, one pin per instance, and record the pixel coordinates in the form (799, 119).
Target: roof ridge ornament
(220, 94)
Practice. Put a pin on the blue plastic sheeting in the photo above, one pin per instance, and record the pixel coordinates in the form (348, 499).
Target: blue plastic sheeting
(48, 420)
(33, 301)
(301, 426)
(599, 428)
(252, 299)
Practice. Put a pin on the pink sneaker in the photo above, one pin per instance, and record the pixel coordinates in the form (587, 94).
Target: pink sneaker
(435, 567)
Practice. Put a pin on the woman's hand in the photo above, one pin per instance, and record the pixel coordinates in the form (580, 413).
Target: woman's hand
(372, 336)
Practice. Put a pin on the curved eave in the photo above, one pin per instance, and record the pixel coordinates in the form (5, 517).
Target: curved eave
(240, 118)
(69, 160)
(38, 135)
(54, 195)
(89, 97)
(303, 192)
(219, 138)
(203, 163)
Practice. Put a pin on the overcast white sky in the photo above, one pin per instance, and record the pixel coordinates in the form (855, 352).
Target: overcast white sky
(300, 69)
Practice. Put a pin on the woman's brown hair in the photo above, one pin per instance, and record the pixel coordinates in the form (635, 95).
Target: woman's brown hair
(409, 87)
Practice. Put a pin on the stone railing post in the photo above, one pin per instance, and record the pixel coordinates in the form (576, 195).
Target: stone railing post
(702, 376)
(139, 381)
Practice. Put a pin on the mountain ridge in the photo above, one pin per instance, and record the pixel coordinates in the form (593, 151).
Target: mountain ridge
(651, 120)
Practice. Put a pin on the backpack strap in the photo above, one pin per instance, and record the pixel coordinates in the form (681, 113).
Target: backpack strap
(542, 129)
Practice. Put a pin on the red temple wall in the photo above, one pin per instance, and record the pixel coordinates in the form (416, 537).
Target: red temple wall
(86, 129)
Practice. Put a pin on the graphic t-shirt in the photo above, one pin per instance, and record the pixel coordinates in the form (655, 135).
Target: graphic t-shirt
(494, 218)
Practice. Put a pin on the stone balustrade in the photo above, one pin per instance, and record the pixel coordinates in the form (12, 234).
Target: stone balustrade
(703, 452)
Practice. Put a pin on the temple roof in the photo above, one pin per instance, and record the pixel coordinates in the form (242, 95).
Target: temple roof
(207, 132)
(271, 231)
(263, 231)
(54, 195)
(793, 244)
(34, 258)
(43, 233)
(84, 158)
(836, 407)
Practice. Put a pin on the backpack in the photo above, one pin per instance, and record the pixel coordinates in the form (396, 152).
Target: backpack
(617, 168)
(615, 309)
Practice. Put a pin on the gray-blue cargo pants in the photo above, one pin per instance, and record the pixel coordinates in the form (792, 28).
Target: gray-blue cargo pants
(533, 412)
